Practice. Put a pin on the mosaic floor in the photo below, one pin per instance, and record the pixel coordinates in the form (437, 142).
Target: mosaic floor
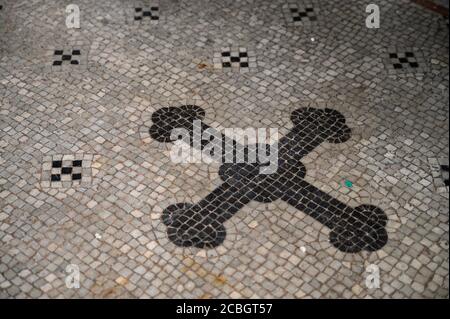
(92, 204)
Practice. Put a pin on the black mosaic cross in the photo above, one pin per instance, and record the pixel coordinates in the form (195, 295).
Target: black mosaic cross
(201, 224)
(74, 170)
(401, 60)
(151, 13)
(235, 59)
(306, 14)
(71, 57)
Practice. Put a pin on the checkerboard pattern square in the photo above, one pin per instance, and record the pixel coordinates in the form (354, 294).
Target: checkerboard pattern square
(237, 59)
(61, 57)
(301, 13)
(404, 60)
(67, 57)
(146, 13)
(65, 171)
(143, 12)
(306, 14)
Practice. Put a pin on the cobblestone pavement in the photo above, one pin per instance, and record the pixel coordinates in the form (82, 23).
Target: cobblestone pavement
(86, 176)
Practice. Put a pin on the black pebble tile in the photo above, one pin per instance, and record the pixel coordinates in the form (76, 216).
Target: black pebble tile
(57, 164)
(77, 163)
(66, 170)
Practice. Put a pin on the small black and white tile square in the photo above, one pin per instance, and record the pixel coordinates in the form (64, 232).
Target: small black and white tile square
(68, 57)
(144, 12)
(301, 12)
(440, 173)
(235, 58)
(61, 57)
(66, 171)
(404, 60)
